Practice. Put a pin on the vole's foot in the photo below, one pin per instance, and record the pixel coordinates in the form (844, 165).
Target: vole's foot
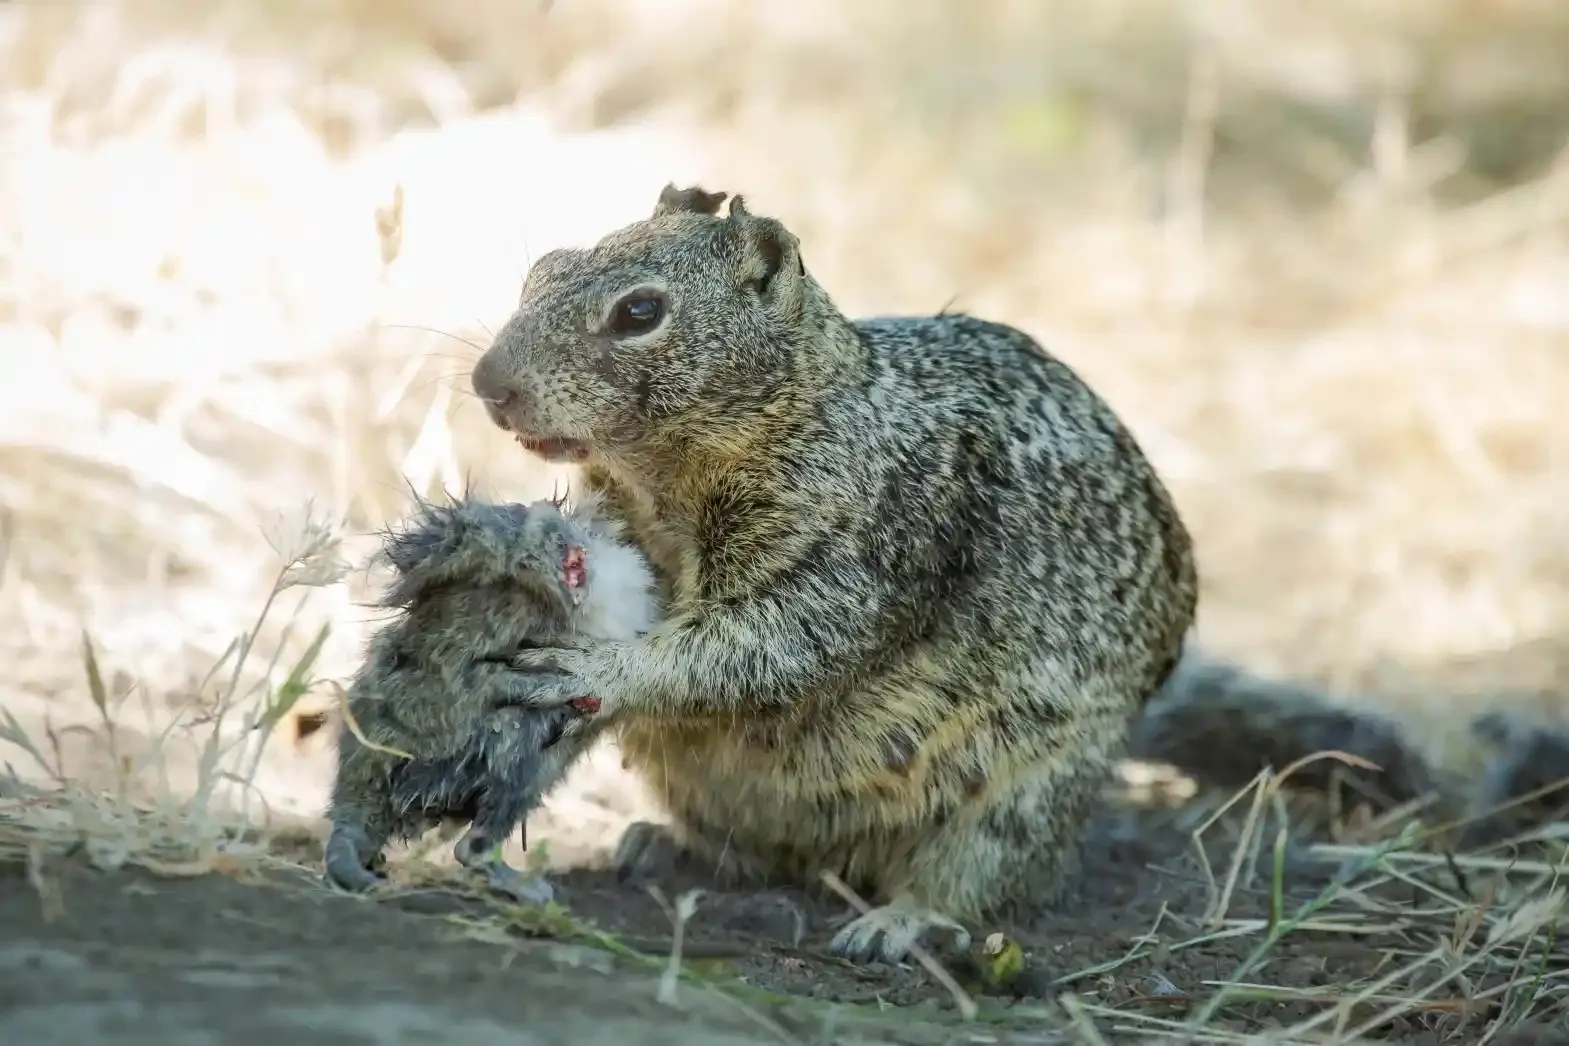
(479, 856)
(652, 851)
(522, 887)
(887, 934)
(355, 878)
(344, 864)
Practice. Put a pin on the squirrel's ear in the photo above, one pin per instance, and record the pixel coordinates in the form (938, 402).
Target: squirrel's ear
(693, 200)
(770, 258)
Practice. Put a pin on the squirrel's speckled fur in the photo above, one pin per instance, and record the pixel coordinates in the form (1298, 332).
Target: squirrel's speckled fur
(475, 583)
(920, 577)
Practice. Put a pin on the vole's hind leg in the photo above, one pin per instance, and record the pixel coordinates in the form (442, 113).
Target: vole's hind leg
(481, 853)
(352, 851)
(501, 810)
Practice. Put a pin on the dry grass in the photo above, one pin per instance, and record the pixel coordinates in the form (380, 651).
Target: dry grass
(1316, 257)
(1460, 956)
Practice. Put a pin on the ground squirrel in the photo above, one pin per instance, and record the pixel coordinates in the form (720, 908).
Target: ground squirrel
(919, 577)
(474, 583)
(1221, 724)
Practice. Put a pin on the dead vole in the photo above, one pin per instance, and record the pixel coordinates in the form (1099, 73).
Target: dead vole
(475, 584)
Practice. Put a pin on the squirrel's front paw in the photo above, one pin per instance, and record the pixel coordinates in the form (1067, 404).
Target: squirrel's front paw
(553, 678)
(349, 863)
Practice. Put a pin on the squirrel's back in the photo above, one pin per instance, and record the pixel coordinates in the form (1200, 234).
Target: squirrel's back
(1025, 574)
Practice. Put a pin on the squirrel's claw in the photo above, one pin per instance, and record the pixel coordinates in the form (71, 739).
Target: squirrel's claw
(548, 659)
(551, 678)
(541, 691)
(890, 933)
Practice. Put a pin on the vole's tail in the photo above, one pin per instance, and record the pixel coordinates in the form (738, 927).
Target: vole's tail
(1221, 725)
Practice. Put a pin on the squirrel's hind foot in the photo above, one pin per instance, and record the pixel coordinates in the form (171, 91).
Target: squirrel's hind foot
(889, 934)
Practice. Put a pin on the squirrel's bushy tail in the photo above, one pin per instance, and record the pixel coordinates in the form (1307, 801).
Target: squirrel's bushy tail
(1526, 780)
(1221, 725)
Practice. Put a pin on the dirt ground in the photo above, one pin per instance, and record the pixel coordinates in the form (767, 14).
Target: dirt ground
(257, 953)
(211, 960)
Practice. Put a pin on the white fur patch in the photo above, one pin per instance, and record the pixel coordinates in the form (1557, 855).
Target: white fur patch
(620, 601)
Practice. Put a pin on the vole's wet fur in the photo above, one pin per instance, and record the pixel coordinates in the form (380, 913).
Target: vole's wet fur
(474, 583)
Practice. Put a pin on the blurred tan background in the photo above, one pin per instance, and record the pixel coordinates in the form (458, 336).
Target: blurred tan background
(1318, 255)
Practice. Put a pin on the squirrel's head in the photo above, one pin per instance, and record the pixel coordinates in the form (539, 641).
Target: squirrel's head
(466, 545)
(685, 317)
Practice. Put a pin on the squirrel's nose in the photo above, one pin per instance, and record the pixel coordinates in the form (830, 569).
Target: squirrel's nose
(491, 385)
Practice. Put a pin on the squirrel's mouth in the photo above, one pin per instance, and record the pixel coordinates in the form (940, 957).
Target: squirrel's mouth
(553, 449)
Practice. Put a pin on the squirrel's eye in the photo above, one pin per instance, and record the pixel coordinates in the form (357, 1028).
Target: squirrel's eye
(636, 314)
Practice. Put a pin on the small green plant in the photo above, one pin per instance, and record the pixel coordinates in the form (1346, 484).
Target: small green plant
(166, 829)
